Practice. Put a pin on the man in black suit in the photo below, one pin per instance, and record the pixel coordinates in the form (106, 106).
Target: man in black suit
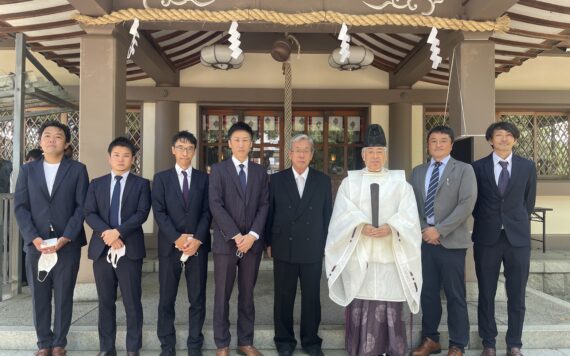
(501, 233)
(116, 206)
(239, 199)
(181, 209)
(49, 199)
(300, 208)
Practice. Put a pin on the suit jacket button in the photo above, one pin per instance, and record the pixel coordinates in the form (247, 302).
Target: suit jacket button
(290, 238)
(289, 206)
(307, 223)
(310, 208)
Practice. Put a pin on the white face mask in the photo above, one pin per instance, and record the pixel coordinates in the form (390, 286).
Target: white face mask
(114, 255)
(45, 264)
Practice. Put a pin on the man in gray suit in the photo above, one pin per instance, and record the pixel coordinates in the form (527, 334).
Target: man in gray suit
(239, 202)
(446, 192)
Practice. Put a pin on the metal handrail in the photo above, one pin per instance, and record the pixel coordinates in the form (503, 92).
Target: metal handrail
(10, 249)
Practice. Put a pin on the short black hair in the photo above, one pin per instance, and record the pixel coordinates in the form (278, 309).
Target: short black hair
(184, 136)
(122, 142)
(59, 125)
(34, 154)
(443, 130)
(502, 125)
(240, 126)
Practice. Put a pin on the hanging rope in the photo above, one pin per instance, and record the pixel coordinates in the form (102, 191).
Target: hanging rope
(502, 24)
(288, 108)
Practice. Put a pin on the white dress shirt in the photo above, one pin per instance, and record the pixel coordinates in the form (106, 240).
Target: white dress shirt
(50, 171)
(497, 168)
(236, 163)
(181, 176)
(305, 174)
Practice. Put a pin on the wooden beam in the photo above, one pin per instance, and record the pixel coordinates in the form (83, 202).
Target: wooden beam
(36, 13)
(149, 59)
(537, 21)
(417, 63)
(60, 36)
(40, 48)
(545, 6)
(515, 54)
(544, 36)
(92, 7)
(487, 9)
(37, 27)
(377, 49)
(520, 44)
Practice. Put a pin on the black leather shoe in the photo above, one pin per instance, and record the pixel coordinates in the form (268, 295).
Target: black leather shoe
(285, 352)
(133, 353)
(314, 351)
(168, 352)
(108, 353)
(194, 352)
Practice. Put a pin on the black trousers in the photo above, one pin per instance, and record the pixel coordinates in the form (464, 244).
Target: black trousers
(127, 276)
(286, 276)
(196, 273)
(516, 261)
(442, 267)
(226, 266)
(61, 281)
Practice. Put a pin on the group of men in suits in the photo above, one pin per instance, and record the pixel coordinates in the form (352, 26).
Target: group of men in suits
(499, 191)
(53, 197)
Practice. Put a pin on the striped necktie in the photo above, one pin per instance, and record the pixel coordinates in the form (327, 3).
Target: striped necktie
(432, 188)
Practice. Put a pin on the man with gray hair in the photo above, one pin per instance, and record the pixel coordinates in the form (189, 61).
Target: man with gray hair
(300, 207)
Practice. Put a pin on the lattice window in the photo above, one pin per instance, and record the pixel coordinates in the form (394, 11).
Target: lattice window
(6, 134)
(544, 140)
(31, 131)
(133, 131)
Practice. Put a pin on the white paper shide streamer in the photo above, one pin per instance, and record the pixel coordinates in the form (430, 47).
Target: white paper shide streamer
(234, 40)
(134, 31)
(434, 41)
(344, 38)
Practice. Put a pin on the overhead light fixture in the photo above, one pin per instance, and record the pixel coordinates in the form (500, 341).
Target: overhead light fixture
(359, 57)
(220, 57)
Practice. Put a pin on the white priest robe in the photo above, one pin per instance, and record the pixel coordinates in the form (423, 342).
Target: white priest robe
(363, 267)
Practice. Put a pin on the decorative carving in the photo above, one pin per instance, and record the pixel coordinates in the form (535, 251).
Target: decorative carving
(410, 4)
(167, 3)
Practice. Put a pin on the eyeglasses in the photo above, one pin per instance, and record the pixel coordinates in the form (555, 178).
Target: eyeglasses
(301, 151)
(184, 149)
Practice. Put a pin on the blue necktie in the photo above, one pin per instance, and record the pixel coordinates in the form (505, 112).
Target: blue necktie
(185, 192)
(503, 178)
(242, 178)
(115, 203)
(432, 188)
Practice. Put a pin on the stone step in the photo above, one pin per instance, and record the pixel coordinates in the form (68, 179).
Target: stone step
(527, 352)
(86, 337)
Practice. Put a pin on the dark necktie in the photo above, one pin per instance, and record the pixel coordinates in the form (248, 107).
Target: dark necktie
(115, 203)
(185, 187)
(503, 177)
(242, 178)
(432, 188)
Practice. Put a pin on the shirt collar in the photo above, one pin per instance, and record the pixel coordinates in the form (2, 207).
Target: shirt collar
(179, 170)
(497, 159)
(237, 162)
(305, 174)
(125, 175)
(443, 162)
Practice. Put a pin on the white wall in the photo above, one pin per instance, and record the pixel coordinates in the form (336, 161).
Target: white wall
(261, 71)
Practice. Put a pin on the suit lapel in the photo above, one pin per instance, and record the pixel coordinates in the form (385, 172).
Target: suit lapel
(450, 166)
(128, 187)
(173, 176)
(423, 171)
(291, 187)
(232, 172)
(106, 186)
(308, 191)
(193, 189)
(490, 172)
(41, 176)
(61, 172)
(514, 171)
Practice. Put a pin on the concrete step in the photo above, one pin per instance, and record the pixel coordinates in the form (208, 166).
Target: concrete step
(86, 337)
(527, 352)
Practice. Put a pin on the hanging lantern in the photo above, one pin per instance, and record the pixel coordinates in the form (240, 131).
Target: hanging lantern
(360, 57)
(220, 57)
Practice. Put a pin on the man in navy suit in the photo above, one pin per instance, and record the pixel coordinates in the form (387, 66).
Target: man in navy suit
(116, 206)
(239, 202)
(501, 233)
(181, 209)
(300, 208)
(49, 199)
